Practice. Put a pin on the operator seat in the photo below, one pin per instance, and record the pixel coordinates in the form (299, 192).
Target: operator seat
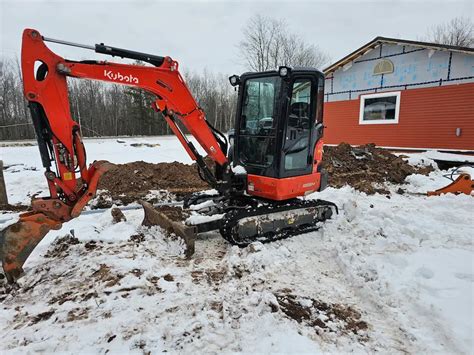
(297, 136)
(300, 109)
(299, 115)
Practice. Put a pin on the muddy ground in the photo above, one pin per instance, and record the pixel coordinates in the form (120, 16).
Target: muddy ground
(96, 292)
(322, 316)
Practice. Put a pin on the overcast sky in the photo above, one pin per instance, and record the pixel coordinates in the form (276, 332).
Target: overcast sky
(205, 34)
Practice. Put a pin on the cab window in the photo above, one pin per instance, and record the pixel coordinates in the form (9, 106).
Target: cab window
(258, 121)
(298, 128)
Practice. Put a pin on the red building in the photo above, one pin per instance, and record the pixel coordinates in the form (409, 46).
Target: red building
(402, 94)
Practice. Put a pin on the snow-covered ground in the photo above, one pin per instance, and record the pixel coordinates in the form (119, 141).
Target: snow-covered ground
(405, 263)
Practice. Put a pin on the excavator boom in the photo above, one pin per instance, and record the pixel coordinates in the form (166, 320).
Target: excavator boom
(72, 183)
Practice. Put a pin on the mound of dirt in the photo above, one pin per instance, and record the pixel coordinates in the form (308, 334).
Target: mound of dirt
(132, 181)
(364, 167)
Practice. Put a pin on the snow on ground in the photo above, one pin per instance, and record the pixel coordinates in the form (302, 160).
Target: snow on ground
(403, 265)
(412, 258)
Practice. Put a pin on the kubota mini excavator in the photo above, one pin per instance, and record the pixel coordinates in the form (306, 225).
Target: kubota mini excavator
(275, 158)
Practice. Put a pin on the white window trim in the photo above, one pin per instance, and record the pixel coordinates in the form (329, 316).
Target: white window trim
(374, 96)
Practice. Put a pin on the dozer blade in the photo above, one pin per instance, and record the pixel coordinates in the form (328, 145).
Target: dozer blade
(154, 217)
(18, 240)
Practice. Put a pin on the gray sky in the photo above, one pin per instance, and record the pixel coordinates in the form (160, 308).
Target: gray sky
(205, 34)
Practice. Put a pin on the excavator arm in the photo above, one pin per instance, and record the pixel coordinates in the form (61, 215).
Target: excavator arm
(72, 183)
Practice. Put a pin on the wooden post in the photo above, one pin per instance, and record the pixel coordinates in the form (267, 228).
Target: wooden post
(3, 189)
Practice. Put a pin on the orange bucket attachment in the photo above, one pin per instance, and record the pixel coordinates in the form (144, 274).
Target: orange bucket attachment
(18, 240)
(462, 185)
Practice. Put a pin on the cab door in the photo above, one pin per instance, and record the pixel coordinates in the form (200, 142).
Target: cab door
(256, 124)
(296, 158)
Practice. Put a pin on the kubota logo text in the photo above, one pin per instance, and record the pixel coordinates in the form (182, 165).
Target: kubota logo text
(123, 78)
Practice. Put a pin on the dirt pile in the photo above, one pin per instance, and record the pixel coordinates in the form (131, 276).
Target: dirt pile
(132, 181)
(364, 167)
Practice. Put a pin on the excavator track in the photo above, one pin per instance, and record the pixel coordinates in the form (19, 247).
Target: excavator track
(273, 222)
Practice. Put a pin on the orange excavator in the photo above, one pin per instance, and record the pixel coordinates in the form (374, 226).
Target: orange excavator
(275, 158)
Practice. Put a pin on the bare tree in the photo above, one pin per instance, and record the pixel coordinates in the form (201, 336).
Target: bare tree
(14, 121)
(268, 43)
(215, 96)
(261, 42)
(457, 32)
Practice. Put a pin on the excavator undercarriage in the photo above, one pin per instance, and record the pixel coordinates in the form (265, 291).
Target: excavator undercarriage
(259, 181)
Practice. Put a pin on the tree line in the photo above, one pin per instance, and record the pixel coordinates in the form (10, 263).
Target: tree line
(104, 109)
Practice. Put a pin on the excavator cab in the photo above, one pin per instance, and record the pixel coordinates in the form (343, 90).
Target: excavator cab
(278, 131)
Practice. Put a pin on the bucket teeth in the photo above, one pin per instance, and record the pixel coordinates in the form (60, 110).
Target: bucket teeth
(18, 240)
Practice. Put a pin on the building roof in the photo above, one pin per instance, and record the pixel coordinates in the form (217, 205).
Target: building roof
(381, 40)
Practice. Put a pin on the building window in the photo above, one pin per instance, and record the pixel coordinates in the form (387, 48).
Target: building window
(379, 108)
(385, 66)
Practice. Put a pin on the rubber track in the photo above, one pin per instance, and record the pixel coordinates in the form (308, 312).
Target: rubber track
(232, 218)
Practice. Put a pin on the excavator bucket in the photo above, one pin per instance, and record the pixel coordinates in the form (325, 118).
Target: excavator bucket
(154, 217)
(18, 240)
(463, 184)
